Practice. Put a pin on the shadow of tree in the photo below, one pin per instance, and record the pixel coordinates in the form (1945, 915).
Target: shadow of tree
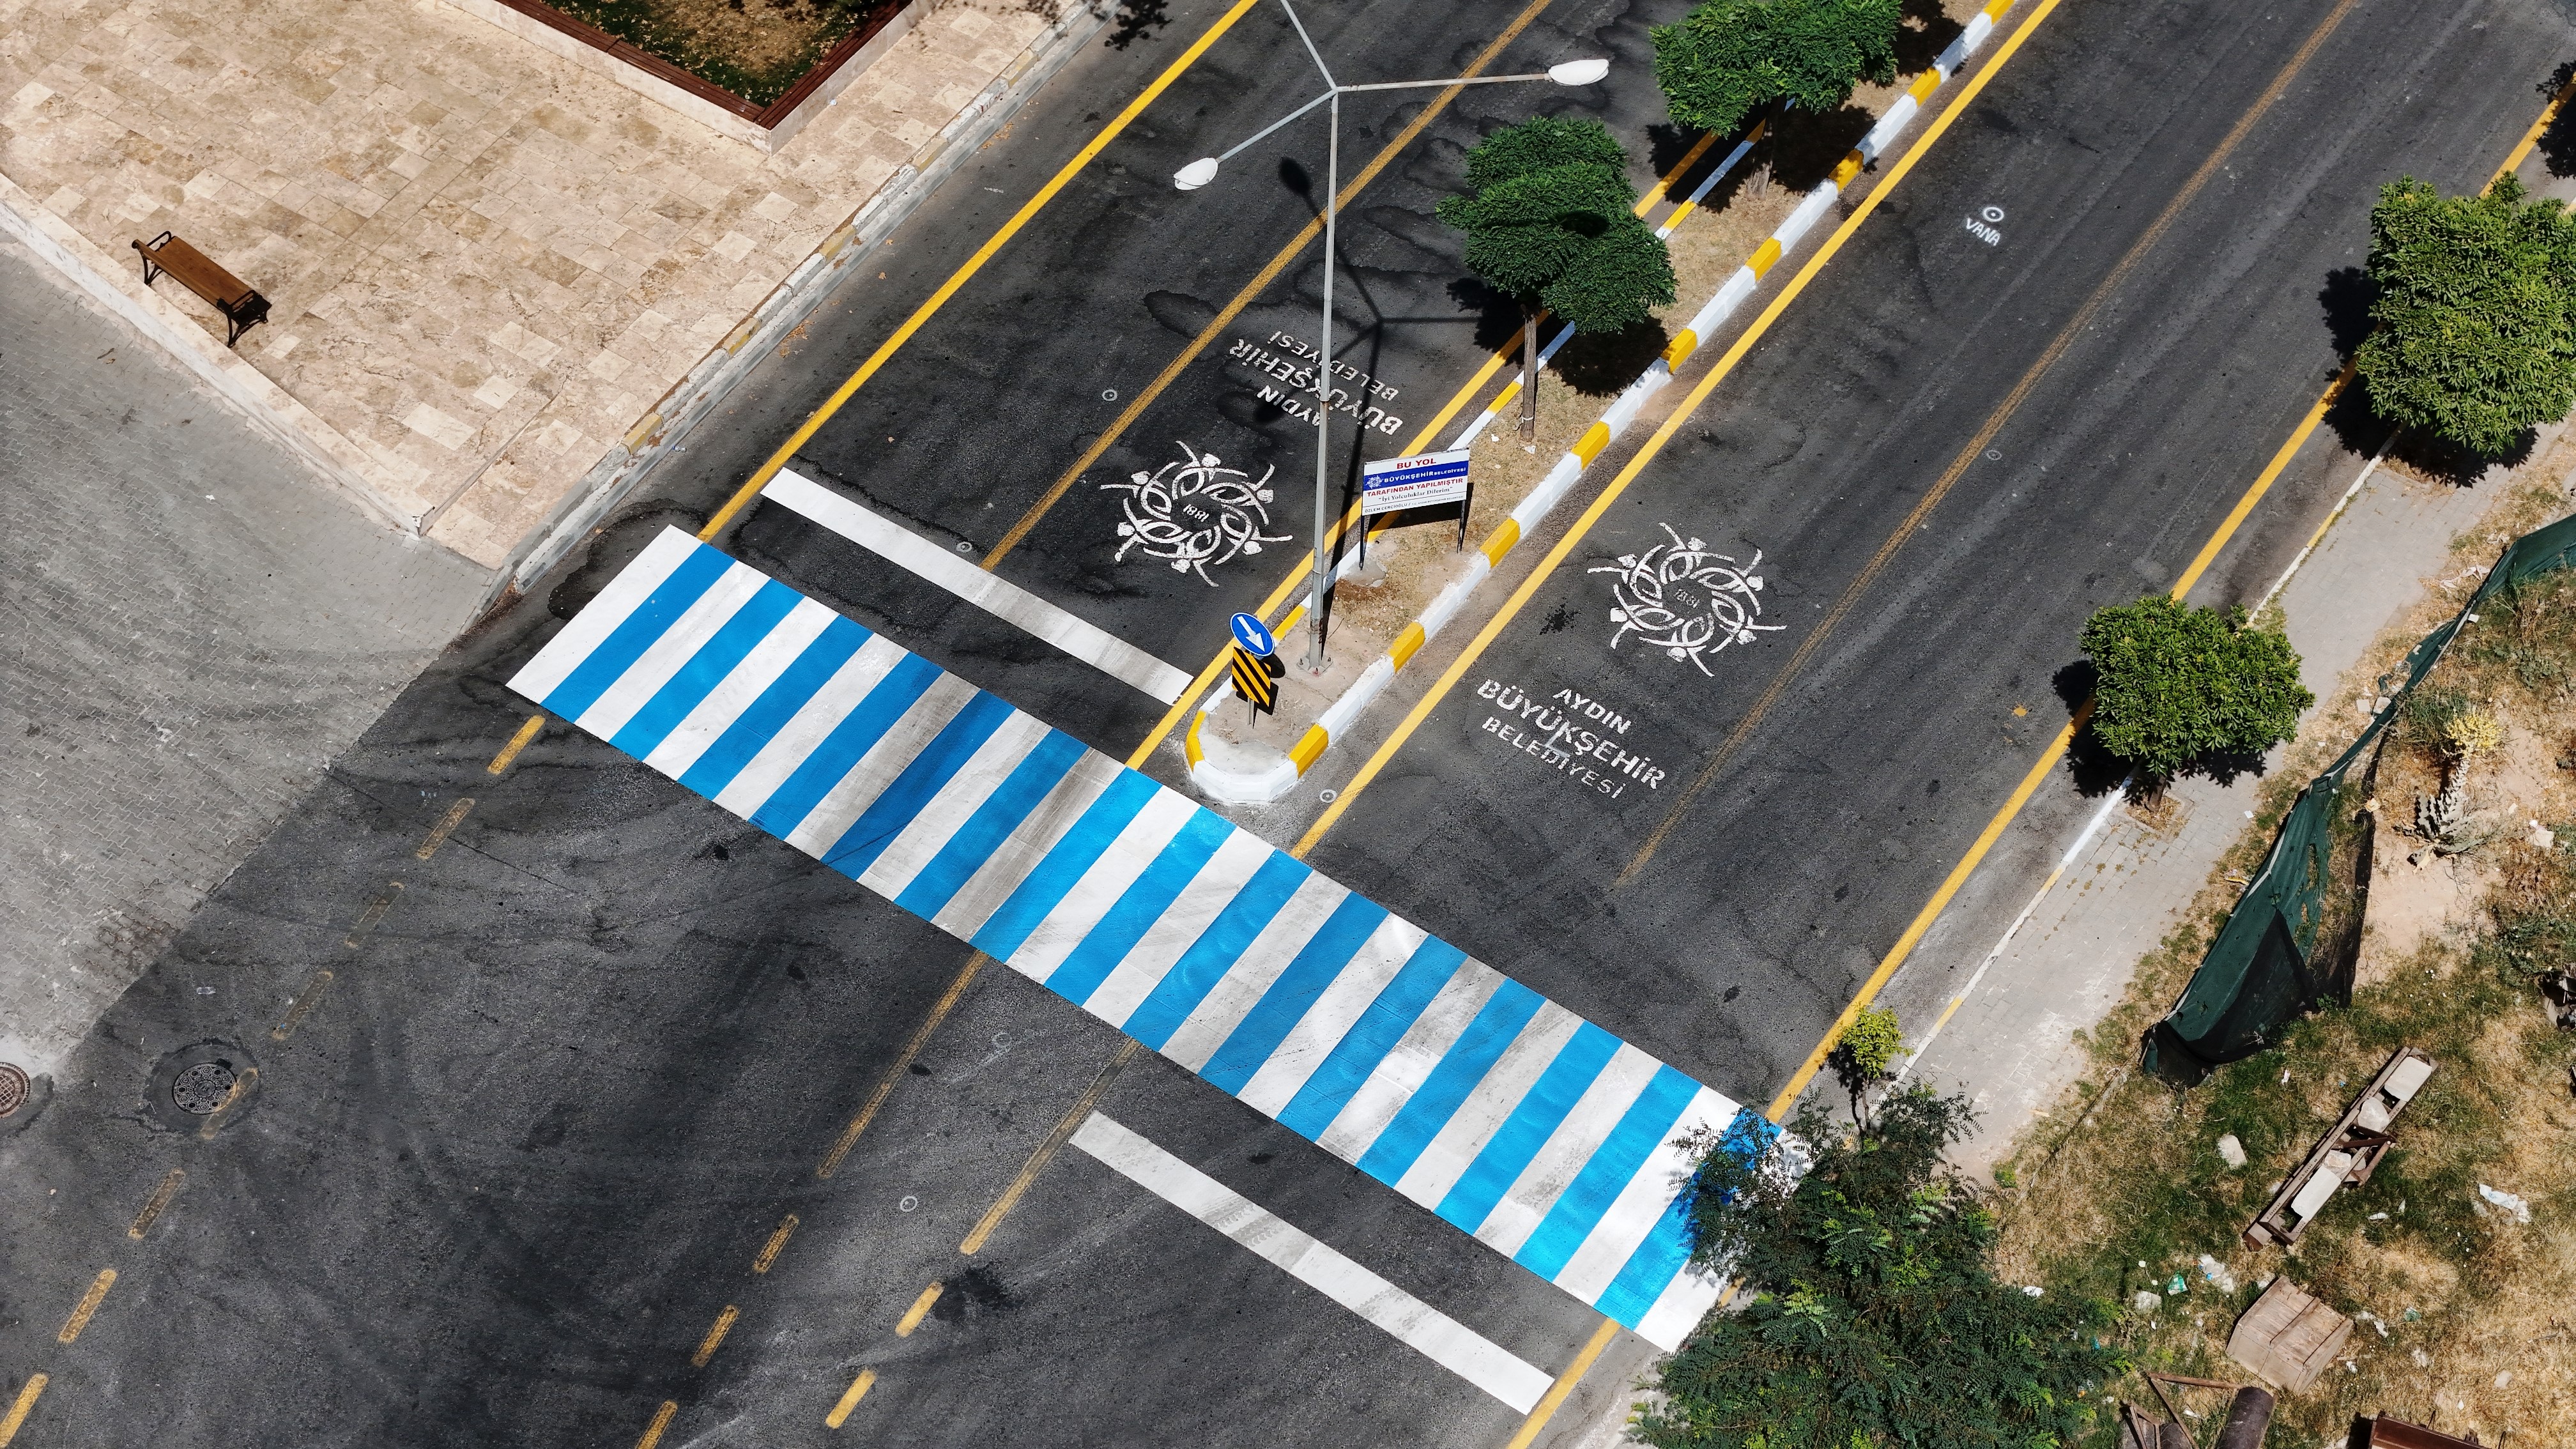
(1926, 33)
(1806, 146)
(1135, 20)
(2444, 462)
(2345, 300)
(1597, 364)
(2558, 144)
(2093, 769)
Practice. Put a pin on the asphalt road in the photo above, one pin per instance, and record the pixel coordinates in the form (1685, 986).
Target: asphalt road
(1727, 913)
(524, 1147)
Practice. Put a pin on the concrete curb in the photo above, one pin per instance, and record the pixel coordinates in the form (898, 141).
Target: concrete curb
(1253, 775)
(665, 427)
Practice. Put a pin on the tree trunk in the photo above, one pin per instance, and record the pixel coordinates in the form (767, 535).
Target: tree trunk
(1529, 372)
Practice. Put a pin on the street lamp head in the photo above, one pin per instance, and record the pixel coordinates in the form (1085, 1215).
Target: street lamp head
(1195, 175)
(1579, 72)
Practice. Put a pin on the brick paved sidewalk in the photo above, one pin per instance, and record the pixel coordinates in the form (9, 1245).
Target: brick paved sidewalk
(486, 263)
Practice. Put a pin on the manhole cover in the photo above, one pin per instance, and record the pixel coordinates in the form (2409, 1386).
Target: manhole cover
(202, 1088)
(13, 1089)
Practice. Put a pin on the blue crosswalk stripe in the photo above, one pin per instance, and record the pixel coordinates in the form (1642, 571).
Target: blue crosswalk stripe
(1539, 1133)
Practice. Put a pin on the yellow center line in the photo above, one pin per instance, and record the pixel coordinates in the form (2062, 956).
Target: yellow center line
(919, 1310)
(88, 1306)
(1554, 1399)
(777, 1240)
(902, 1064)
(661, 1421)
(447, 823)
(715, 1338)
(233, 1095)
(21, 1407)
(1663, 434)
(527, 734)
(1251, 290)
(159, 1200)
(1037, 1162)
(921, 315)
(850, 1397)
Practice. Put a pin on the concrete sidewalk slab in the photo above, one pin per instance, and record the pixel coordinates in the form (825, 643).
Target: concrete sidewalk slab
(195, 626)
(2012, 1045)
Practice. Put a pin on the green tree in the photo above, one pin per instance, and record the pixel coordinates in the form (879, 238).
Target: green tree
(2476, 306)
(2175, 686)
(1874, 1317)
(1865, 1052)
(1729, 58)
(1548, 224)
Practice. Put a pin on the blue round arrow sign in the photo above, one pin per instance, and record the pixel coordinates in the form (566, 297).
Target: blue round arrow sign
(1252, 634)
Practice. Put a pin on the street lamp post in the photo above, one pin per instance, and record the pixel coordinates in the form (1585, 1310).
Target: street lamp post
(1202, 171)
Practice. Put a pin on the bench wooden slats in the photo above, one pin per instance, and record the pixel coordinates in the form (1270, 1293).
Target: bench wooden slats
(243, 308)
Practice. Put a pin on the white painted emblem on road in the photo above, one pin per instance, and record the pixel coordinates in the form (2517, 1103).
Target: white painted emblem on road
(1982, 225)
(1685, 600)
(1195, 512)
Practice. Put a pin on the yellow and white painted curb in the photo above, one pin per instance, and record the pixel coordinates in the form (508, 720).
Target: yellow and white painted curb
(1254, 774)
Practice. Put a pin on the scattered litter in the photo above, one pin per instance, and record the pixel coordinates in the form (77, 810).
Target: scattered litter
(2031, 1290)
(2379, 1217)
(2145, 1301)
(2422, 1359)
(2374, 1320)
(2285, 1076)
(2177, 1287)
(2216, 1272)
(2504, 1378)
(2542, 837)
(2350, 1367)
(2510, 1202)
(2411, 1316)
(2263, 1282)
(2231, 1151)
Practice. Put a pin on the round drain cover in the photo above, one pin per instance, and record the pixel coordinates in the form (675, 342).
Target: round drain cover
(202, 1088)
(13, 1089)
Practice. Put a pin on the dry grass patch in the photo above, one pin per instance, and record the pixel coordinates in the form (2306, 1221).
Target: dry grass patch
(2467, 1316)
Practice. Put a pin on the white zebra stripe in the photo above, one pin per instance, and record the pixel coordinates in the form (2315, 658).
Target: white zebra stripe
(812, 723)
(1207, 894)
(1595, 1116)
(1027, 844)
(1091, 898)
(983, 772)
(1392, 1082)
(876, 769)
(1217, 1014)
(635, 688)
(587, 630)
(1641, 1204)
(724, 704)
(1326, 1022)
(1444, 1159)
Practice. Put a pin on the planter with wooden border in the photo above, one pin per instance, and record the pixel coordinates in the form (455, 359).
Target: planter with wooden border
(767, 127)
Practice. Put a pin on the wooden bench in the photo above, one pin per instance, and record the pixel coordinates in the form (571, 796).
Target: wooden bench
(243, 308)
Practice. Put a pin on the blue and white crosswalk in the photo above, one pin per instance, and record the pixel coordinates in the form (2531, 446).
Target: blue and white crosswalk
(1547, 1138)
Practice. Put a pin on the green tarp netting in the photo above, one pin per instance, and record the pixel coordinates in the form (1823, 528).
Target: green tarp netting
(2265, 969)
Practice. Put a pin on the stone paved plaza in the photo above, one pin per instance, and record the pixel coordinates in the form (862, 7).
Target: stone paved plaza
(485, 263)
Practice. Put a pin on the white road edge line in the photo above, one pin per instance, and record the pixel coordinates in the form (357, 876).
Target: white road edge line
(999, 597)
(1421, 1327)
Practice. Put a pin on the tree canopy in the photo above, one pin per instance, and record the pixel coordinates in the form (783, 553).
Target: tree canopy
(1548, 223)
(1874, 1318)
(1729, 58)
(2176, 686)
(2476, 311)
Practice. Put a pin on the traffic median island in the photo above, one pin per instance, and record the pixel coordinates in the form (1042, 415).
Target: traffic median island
(1385, 609)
